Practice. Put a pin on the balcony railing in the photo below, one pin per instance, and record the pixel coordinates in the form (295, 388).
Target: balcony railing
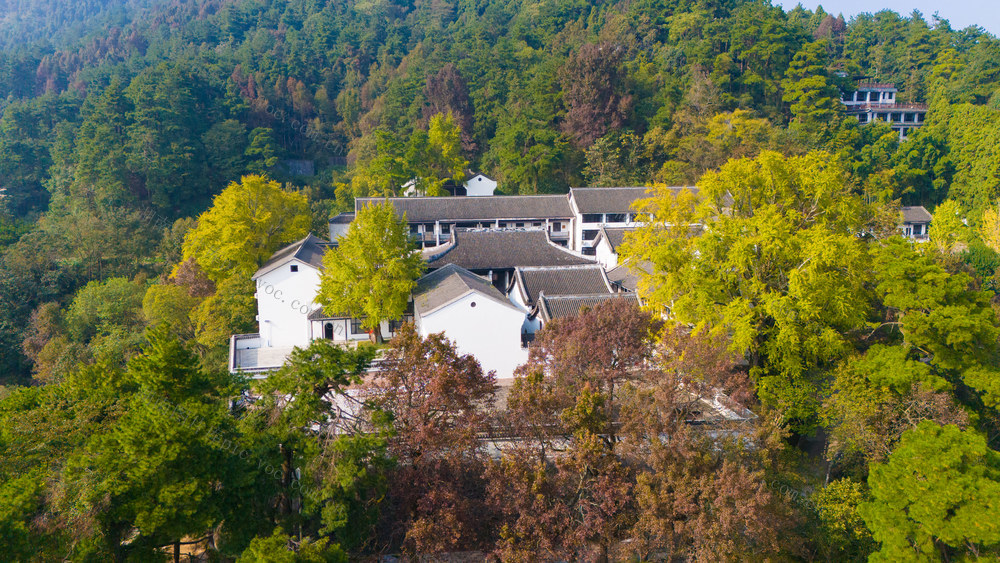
(882, 106)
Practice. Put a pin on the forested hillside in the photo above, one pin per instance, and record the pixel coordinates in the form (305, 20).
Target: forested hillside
(140, 123)
(133, 132)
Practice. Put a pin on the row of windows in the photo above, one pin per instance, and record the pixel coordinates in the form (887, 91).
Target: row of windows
(608, 217)
(329, 328)
(873, 96)
(894, 117)
(418, 228)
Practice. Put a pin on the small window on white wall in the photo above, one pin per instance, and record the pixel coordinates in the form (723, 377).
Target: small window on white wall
(295, 267)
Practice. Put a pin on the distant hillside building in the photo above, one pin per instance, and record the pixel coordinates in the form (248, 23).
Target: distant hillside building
(477, 185)
(916, 222)
(873, 101)
(433, 219)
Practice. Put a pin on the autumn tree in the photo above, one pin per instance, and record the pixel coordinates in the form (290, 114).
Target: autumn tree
(436, 399)
(602, 348)
(948, 229)
(447, 93)
(372, 270)
(434, 157)
(595, 92)
(577, 506)
(989, 228)
(778, 267)
(247, 222)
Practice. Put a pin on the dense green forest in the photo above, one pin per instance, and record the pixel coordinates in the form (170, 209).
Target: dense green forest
(133, 131)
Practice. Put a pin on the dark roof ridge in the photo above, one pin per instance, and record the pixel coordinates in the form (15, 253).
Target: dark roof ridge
(499, 249)
(466, 282)
(603, 232)
(576, 296)
(293, 250)
(560, 267)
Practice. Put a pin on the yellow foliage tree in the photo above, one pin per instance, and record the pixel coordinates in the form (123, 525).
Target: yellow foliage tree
(247, 222)
(948, 230)
(989, 228)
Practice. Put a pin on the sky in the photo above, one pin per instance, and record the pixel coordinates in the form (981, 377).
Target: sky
(960, 13)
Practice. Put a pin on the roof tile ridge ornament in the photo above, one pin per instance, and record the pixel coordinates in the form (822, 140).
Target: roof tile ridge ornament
(589, 266)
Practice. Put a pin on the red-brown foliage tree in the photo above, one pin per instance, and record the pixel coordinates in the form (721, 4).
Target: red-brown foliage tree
(595, 92)
(437, 400)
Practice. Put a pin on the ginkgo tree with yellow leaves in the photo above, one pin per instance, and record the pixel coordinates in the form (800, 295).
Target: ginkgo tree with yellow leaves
(372, 270)
(767, 254)
(247, 222)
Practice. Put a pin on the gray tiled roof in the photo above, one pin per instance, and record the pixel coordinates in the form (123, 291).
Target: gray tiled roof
(613, 200)
(342, 218)
(488, 249)
(614, 236)
(320, 314)
(560, 280)
(447, 209)
(449, 283)
(559, 306)
(626, 276)
(309, 250)
(915, 214)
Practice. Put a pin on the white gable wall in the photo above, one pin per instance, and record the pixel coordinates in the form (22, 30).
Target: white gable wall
(605, 255)
(530, 326)
(284, 301)
(480, 185)
(489, 331)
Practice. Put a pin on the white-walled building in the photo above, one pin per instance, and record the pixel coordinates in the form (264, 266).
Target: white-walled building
(606, 245)
(286, 287)
(339, 224)
(474, 315)
(286, 292)
(491, 238)
(530, 283)
(478, 185)
(594, 208)
(916, 222)
(432, 220)
(873, 101)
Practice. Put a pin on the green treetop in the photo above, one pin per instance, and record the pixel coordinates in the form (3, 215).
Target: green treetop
(937, 498)
(814, 98)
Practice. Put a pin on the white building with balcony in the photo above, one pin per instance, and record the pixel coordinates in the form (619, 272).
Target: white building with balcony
(873, 101)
